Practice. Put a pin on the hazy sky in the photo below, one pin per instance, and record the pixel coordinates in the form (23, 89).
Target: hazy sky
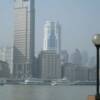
(79, 20)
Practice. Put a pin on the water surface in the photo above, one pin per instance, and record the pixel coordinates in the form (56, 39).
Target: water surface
(38, 92)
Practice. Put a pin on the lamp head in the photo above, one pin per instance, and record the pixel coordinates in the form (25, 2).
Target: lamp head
(96, 40)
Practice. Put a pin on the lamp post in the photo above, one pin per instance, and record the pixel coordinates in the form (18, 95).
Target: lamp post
(96, 41)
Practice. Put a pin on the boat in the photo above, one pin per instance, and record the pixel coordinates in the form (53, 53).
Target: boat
(33, 82)
(53, 83)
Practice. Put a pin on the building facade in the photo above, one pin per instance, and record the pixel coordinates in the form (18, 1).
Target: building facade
(78, 73)
(6, 55)
(24, 38)
(52, 36)
(4, 70)
(49, 65)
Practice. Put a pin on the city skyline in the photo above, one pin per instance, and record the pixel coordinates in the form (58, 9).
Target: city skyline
(46, 51)
(79, 21)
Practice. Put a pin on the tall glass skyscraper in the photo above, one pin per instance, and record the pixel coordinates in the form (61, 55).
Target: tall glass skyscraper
(52, 36)
(24, 38)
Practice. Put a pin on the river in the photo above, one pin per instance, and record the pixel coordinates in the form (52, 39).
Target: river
(38, 92)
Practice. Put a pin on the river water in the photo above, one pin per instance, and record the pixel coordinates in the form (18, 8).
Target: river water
(38, 92)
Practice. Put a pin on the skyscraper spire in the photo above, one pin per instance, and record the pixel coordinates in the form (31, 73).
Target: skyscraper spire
(52, 38)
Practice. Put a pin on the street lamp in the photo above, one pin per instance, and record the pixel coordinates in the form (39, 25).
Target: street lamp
(96, 41)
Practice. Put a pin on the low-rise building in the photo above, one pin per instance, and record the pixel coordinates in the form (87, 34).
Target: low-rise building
(92, 74)
(4, 70)
(6, 55)
(78, 73)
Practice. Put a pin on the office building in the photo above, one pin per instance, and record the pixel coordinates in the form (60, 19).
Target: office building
(52, 36)
(49, 65)
(24, 38)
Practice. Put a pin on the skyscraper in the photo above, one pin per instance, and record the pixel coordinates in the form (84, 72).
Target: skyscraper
(64, 57)
(76, 57)
(52, 36)
(24, 38)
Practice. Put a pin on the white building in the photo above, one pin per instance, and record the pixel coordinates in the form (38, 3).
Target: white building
(52, 36)
(24, 39)
(49, 65)
(6, 55)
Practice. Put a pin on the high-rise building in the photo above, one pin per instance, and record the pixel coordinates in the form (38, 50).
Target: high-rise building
(24, 38)
(84, 58)
(49, 65)
(64, 57)
(52, 36)
(76, 57)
